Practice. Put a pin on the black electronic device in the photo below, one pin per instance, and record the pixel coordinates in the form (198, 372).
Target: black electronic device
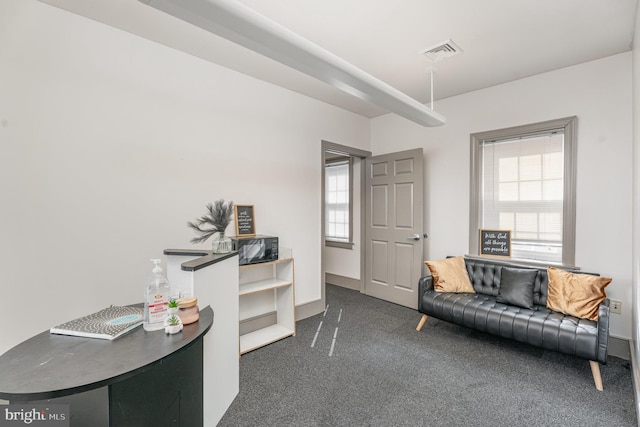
(255, 249)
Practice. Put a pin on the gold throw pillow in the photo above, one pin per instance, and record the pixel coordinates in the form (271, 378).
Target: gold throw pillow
(578, 295)
(450, 275)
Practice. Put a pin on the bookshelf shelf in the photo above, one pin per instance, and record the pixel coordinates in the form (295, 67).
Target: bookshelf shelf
(275, 281)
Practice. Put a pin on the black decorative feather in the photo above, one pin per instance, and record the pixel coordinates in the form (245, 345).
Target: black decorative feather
(218, 217)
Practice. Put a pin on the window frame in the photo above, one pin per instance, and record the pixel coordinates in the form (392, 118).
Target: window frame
(569, 126)
(342, 243)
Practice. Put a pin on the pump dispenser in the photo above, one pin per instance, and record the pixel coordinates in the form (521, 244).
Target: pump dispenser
(156, 299)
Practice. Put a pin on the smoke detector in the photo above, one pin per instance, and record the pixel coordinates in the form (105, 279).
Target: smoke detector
(441, 51)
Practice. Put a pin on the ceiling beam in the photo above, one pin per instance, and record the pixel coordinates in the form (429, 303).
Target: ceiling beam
(246, 27)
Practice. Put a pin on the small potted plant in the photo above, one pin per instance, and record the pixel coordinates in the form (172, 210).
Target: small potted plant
(218, 217)
(173, 324)
(172, 307)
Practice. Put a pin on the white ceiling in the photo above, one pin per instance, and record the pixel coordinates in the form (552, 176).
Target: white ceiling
(502, 40)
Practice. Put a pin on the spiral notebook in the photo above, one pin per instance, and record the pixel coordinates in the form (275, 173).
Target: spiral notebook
(106, 324)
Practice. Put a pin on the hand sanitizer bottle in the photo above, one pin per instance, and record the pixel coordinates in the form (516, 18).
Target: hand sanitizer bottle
(156, 299)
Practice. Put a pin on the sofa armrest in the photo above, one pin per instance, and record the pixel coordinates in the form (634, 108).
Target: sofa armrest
(603, 331)
(424, 284)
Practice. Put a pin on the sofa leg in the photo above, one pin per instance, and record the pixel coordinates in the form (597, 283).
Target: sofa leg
(595, 370)
(422, 322)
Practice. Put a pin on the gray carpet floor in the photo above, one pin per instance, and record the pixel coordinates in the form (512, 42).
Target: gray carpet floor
(362, 363)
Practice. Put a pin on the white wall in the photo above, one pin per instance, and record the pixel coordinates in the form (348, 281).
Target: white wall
(599, 94)
(636, 209)
(109, 143)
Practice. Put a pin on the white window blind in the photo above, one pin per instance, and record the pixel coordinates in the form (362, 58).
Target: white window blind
(522, 190)
(337, 201)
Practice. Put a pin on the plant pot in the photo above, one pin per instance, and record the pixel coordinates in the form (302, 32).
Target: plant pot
(172, 329)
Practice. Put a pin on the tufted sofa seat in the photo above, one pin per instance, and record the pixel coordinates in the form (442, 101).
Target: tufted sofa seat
(540, 327)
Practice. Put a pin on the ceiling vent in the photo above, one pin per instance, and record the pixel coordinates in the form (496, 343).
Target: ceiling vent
(441, 51)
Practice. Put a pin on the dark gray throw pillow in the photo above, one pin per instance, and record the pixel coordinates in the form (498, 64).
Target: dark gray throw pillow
(516, 287)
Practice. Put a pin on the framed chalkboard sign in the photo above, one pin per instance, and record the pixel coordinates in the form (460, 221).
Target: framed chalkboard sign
(495, 242)
(245, 220)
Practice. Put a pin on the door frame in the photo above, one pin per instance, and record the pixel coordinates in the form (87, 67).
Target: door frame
(352, 152)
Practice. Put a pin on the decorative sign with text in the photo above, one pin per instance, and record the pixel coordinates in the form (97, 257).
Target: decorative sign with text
(245, 221)
(495, 242)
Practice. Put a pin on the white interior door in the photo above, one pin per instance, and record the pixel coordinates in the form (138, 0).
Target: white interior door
(393, 229)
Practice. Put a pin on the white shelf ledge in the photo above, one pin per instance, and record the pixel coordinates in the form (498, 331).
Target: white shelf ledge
(262, 285)
(263, 336)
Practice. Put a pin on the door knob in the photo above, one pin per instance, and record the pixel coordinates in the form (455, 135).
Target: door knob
(414, 237)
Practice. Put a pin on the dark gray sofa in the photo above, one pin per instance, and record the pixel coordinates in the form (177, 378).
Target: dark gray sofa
(539, 327)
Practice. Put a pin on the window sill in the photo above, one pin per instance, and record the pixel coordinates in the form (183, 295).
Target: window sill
(525, 262)
(338, 244)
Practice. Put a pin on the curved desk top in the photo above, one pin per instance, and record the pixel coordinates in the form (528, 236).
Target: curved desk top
(49, 365)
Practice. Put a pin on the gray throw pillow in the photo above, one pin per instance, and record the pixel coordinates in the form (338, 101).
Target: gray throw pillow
(516, 287)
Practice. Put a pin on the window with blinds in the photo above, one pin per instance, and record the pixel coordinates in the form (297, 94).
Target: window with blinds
(337, 201)
(523, 180)
(522, 191)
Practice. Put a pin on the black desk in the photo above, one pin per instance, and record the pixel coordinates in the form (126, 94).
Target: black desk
(142, 378)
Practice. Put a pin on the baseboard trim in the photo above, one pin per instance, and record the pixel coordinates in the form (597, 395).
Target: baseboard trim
(258, 322)
(309, 309)
(635, 376)
(619, 347)
(343, 281)
(271, 318)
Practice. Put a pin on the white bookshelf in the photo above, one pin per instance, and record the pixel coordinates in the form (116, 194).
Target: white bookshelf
(264, 288)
